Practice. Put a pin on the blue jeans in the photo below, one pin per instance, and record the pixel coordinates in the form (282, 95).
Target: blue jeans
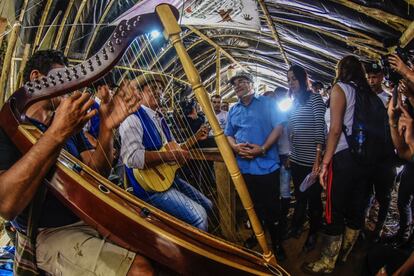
(184, 202)
(285, 177)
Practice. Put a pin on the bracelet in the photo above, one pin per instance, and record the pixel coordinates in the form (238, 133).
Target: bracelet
(318, 149)
(263, 151)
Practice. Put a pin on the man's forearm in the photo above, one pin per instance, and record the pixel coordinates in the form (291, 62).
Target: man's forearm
(20, 182)
(101, 158)
(272, 138)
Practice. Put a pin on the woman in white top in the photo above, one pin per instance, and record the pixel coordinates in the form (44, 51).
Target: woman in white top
(340, 175)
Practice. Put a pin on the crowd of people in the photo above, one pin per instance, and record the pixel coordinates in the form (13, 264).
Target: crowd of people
(344, 146)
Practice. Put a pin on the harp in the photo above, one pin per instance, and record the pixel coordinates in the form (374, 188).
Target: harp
(139, 226)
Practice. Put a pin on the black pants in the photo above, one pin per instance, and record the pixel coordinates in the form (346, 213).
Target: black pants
(311, 197)
(381, 183)
(348, 193)
(265, 193)
(382, 255)
(405, 195)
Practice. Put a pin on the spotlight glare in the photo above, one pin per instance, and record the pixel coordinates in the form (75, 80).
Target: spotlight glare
(155, 34)
(285, 104)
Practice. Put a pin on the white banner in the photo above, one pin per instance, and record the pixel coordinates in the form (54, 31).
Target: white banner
(239, 14)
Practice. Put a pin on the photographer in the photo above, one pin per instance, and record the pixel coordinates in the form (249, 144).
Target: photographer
(402, 131)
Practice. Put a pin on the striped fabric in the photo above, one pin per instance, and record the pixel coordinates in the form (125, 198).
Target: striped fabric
(306, 124)
(25, 257)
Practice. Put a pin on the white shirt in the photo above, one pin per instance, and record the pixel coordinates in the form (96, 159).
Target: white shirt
(385, 97)
(131, 132)
(349, 115)
(222, 119)
(283, 142)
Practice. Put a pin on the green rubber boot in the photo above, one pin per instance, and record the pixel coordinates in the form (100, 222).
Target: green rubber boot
(329, 254)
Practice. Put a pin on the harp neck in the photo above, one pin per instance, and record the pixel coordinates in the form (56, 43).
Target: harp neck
(66, 80)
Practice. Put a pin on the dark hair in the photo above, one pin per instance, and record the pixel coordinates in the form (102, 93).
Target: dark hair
(271, 94)
(187, 106)
(280, 90)
(301, 75)
(350, 69)
(43, 61)
(215, 96)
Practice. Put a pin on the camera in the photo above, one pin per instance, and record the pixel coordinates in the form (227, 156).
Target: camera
(389, 73)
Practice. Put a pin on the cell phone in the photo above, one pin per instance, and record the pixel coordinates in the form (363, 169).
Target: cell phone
(395, 96)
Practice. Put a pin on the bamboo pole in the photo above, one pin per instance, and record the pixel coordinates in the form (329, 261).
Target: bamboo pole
(23, 62)
(62, 25)
(275, 34)
(392, 20)
(172, 31)
(407, 36)
(215, 45)
(98, 27)
(73, 28)
(39, 32)
(218, 67)
(7, 61)
(3, 26)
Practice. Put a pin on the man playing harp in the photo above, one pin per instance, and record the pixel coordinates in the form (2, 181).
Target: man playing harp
(64, 245)
(143, 135)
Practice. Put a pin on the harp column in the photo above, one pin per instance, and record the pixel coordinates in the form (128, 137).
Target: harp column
(172, 31)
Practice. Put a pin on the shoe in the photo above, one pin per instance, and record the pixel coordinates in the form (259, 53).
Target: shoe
(250, 242)
(279, 252)
(329, 253)
(310, 243)
(350, 237)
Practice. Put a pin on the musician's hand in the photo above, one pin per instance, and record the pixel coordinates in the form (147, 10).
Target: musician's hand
(114, 110)
(179, 156)
(202, 133)
(71, 115)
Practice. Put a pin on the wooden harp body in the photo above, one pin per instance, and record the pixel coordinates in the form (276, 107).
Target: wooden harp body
(116, 214)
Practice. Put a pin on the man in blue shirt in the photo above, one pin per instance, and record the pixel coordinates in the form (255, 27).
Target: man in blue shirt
(253, 127)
